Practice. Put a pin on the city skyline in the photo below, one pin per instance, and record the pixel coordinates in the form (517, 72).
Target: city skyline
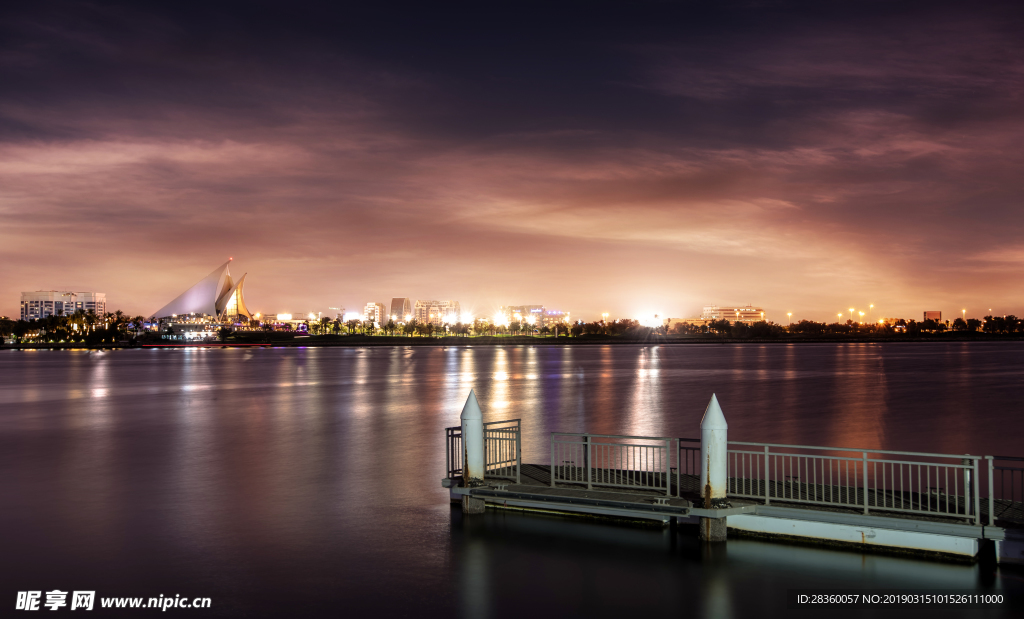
(651, 158)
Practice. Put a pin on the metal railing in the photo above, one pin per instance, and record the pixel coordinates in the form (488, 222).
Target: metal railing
(610, 460)
(453, 451)
(1005, 488)
(503, 449)
(503, 453)
(915, 483)
(871, 480)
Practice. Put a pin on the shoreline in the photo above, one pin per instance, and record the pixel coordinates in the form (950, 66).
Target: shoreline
(362, 341)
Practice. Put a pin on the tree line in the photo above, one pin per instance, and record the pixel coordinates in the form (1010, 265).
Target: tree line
(81, 326)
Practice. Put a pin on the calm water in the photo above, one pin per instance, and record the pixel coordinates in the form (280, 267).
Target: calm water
(306, 482)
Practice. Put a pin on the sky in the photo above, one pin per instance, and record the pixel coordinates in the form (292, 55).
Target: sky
(630, 158)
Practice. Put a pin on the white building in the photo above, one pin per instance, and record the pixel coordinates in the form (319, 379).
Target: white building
(437, 312)
(376, 312)
(536, 315)
(216, 296)
(401, 309)
(748, 314)
(42, 303)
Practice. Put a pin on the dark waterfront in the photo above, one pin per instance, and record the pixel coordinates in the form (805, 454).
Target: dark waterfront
(306, 482)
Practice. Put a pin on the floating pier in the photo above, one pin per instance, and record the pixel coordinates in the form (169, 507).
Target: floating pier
(951, 505)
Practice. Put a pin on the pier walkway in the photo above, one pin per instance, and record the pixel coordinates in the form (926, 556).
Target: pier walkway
(939, 503)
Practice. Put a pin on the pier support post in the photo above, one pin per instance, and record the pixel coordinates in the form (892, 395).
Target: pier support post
(712, 530)
(471, 505)
(472, 442)
(714, 457)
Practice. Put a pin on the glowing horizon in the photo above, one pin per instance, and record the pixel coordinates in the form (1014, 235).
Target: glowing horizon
(729, 155)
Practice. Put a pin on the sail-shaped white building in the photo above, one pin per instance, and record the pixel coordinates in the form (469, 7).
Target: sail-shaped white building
(216, 296)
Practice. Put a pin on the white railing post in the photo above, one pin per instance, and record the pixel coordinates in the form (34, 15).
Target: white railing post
(714, 455)
(977, 493)
(472, 441)
(668, 467)
(519, 452)
(552, 459)
(967, 487)
(767, 494)
(864, 455)
(991, 495)
(586, 462)
(714, 467)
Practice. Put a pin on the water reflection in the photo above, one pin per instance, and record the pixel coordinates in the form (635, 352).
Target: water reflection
(262, 477)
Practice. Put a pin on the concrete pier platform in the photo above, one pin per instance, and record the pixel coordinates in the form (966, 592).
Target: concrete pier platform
(953, 538)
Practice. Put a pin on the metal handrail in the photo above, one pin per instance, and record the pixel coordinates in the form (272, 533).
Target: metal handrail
(1012, 502)
(503, 450)
(851, 481)
(646, 467)
(858, 450)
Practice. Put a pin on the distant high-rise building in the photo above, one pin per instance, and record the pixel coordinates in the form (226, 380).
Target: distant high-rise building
(936, 316)
(436, 312)
(748, 314)
(42, 303)
(401, 309)
(376, 312)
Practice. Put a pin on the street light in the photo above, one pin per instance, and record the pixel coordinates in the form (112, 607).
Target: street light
(790, 314)
(861, 317)
(851, 314)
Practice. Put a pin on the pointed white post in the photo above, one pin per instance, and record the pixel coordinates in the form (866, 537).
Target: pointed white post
(714, 445)
(472, 441)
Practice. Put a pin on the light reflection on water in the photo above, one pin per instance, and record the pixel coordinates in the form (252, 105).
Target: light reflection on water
(297, 480)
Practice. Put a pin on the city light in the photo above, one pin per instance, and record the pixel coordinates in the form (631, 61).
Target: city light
(284, 316)
(649, 320)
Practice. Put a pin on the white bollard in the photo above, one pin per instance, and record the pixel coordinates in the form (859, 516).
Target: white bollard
(714, 444)
(472, 441)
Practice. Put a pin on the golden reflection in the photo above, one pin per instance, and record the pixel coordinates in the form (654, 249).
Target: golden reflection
(645, 416)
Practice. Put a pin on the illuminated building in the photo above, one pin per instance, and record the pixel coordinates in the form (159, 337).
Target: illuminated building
(537, 315)
(936, 316)
(401, 307)
(376, 312)
(215, 297)
(748, 314)
(43, 303)
(436, 312)
(671, 322)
